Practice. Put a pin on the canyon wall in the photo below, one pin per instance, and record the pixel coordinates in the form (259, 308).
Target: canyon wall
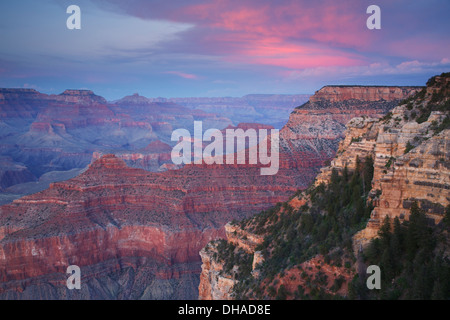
(410, 149)
(411, 159)
(362, 93)
(56, 133)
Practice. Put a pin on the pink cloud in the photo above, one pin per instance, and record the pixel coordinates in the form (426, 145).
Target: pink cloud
(331, 22)
(278, 52)
(286, 33)
(293, 34)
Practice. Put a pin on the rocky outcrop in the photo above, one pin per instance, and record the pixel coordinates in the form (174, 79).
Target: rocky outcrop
(359, 142)
(242, 238)
(421, 175)
(411, 158)
(84, 97)
(214, 285)
(215, 282)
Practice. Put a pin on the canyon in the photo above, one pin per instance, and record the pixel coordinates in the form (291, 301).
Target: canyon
(137, 234)
(113, 217)
(59, 133)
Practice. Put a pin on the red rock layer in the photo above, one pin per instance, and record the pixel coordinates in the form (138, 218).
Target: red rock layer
(363, 93)
(113, 212)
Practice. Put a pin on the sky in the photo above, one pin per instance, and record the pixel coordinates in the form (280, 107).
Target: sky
(213, 48)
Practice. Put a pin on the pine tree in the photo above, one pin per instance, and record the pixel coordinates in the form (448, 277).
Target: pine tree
(419, 234)
(345, 174)
(397, 245)
(368, 172)
(385, 232)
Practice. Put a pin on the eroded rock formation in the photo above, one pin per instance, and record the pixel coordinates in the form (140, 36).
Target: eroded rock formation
(411, 152)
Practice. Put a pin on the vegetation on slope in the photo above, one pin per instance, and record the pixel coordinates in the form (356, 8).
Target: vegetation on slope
(324, 226)
(412, 259)
(235, 260)
(411, 254)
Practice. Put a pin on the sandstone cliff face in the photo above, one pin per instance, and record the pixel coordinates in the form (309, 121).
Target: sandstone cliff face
(242, 238)
(214, 284)
(359, 142)
(217, 284)
(411, 159)
(421, 175)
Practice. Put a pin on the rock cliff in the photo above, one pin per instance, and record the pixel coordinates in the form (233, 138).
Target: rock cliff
(406, 154)
(214, 285)
(362, 93)
(410, 148)
(215, 282)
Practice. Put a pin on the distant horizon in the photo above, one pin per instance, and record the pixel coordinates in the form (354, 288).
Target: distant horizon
(212, 97)
(161, 97)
